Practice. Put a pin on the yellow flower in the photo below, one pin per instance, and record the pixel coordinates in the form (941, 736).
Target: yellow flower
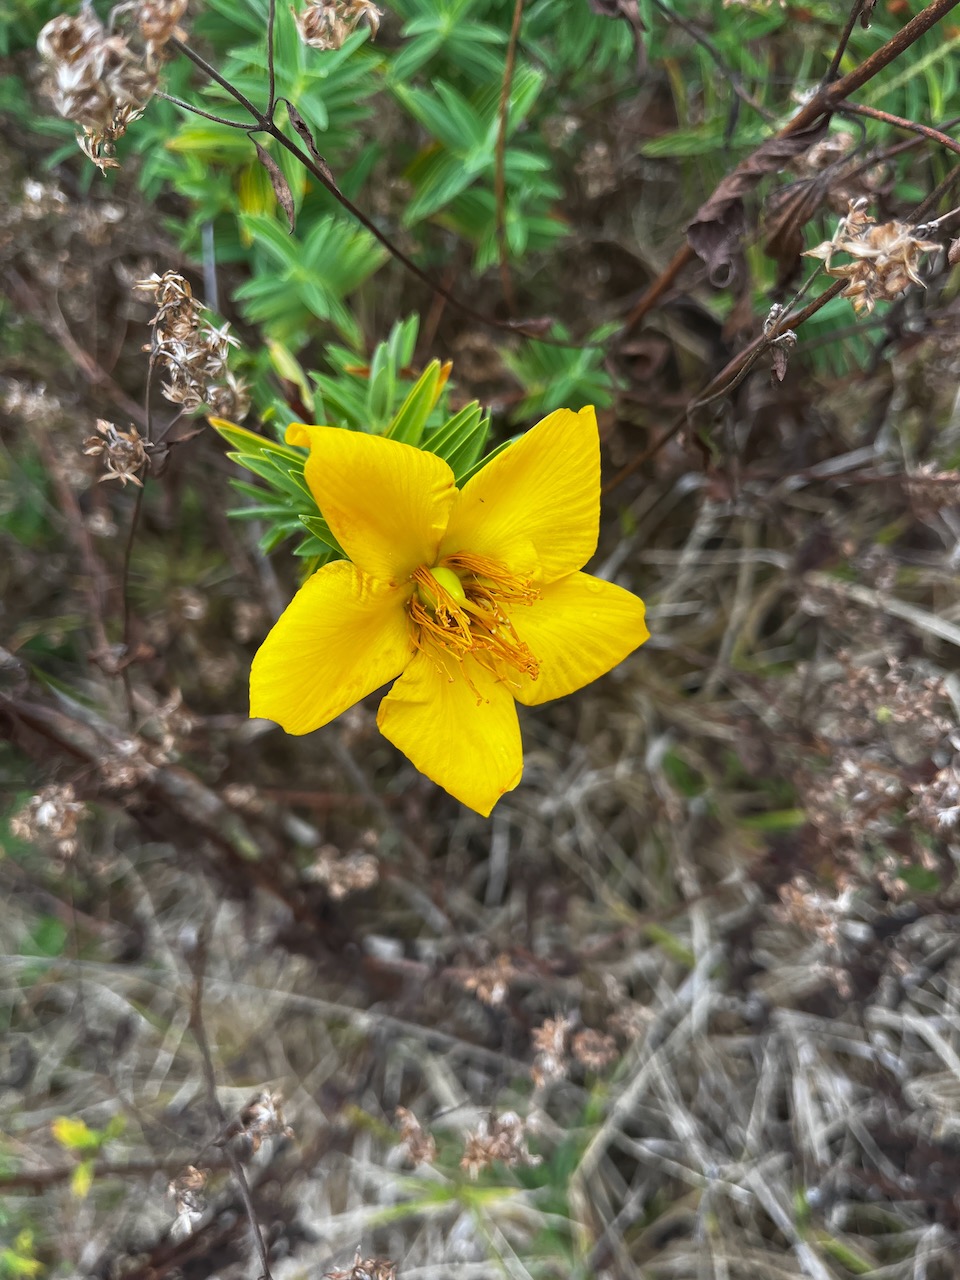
(470, 596)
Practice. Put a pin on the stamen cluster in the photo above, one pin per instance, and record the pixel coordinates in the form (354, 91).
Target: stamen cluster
(193, 352)
(476, 624)
(886, 257)
(325, 24)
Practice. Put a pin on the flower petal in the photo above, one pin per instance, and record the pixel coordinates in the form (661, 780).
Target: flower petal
(544, 490)
(386, 503)
(342, 636)
(465, 739)
(579, 629)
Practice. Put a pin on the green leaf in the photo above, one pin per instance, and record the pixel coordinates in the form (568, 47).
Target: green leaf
(407, 426)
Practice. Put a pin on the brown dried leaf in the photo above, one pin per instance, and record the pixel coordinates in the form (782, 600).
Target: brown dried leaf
(303, 131)
(281, 188)
(788, 211)
(718, 225)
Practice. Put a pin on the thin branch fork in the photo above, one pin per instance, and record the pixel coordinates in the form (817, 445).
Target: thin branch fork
(730, 376)
(264, 123)
(821, 104)
(899, 122)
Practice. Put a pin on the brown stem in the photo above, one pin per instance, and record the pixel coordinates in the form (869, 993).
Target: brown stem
(39, 1179)
(266, 124)
(728, 378)
(898, 122)
(822, 103)
(843, 42)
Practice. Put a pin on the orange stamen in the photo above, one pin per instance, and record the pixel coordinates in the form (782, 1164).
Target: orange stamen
(477, 624)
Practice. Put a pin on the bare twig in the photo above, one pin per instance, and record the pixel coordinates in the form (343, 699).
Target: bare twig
(39, 1179)
(898, 122)
(729, 377)
(701, 38)
(242, 125)
(842, 43)
(54, 323)
(265, 124)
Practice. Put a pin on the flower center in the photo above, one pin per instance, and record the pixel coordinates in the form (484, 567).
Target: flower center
(460, 606)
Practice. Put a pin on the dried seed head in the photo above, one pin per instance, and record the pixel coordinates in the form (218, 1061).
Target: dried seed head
(95, 79)
(124, 453)
(503, 1139)
(193, 352)
(365, 1269)
(594, 1050)
(186, 1189)
(550, 1040)
(491, 983)
(886, 257)
(158, 21)
(51, 817)
(344, 874)
(325, 24)
(420, 1145)
(261, 1118)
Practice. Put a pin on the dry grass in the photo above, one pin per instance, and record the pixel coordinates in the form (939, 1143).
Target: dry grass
(734, 857)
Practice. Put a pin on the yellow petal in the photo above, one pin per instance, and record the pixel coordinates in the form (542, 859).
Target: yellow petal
(544, 490)
(579, 629)
(466, 740)
(341, 637)
(386, 503)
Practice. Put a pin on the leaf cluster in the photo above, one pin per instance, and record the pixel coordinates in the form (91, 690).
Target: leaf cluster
(383, 398)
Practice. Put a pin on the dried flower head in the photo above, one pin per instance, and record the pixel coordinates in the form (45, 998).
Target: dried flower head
(594, 1050)
(491, 983)
(420, 1145)
(50, 817)
(261, 1118)
(346, 874)
(95, 79)
(365, 1269)
(124, 453)
(325, 24)
(814, 911)
(159, 22)
(502, 1139)
(193, 351)
(550, 1041)
(886, 257)
(186, 1189)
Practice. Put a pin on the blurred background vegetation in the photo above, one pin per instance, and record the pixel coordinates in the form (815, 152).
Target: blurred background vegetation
(688, 1005)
